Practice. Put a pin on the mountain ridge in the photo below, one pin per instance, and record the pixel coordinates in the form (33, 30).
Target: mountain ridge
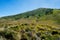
(25, 13)
(39, 24)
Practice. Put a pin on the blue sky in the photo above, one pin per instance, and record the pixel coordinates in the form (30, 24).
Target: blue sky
(12, 7)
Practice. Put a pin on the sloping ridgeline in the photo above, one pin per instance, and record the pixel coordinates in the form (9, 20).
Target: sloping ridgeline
(38, 24)
(38, 12)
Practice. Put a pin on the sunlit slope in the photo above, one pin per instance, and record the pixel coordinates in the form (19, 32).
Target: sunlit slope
(39, 24)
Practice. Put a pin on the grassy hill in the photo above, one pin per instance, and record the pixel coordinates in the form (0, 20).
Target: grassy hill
(38, 24)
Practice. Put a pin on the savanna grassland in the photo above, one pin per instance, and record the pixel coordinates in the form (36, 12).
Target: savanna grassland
(38, 24)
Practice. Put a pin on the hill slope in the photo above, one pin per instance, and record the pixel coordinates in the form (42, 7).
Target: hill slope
(38, 12)
(39, 24)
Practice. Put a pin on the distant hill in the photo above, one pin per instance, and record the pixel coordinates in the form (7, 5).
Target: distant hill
(38, 12)
(38, 24)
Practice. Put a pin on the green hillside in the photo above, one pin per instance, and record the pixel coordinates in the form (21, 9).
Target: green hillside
(38, 24)
(37, 12)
